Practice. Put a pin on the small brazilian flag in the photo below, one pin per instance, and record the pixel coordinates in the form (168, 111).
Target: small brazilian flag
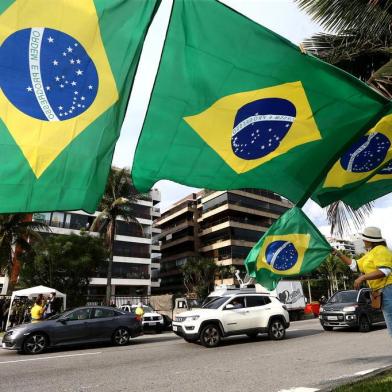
(366, 161)
(66, 70)
(292, 246)
(380, 184)
(237, 106)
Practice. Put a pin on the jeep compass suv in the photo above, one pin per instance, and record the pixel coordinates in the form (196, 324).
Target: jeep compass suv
(233, 314)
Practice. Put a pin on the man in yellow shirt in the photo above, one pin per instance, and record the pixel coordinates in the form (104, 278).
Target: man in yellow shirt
(376, 267)
(36, 311)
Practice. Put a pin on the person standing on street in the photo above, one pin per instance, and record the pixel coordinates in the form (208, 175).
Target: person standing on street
(376, 268)
(37, 311)
(50, 306)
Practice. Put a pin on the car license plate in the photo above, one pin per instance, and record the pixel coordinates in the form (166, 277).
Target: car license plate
(332, 317)
(153, 324)
(174, 328)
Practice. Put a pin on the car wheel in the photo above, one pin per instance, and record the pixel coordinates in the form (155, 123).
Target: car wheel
(326, 328)
(35, 344)
(210, 336)
(121, 337)
(364, 324)
(276, 330)
(252, 335)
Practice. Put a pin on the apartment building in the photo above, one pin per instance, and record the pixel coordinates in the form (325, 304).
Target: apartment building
(135, 254)
(343, 245)
(178, 241)
(222, 225)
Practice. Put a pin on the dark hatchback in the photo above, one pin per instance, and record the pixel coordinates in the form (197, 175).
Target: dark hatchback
(350, 308)
(76, 327)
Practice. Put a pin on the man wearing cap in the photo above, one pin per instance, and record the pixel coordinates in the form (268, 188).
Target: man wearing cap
(376, 267)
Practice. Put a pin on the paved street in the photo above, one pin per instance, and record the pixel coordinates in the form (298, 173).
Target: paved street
(309, 357)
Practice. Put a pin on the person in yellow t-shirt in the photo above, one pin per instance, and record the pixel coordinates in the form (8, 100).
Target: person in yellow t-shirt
(37, 311)
(376, 268)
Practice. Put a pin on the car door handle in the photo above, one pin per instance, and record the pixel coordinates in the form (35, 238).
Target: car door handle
(267, 308)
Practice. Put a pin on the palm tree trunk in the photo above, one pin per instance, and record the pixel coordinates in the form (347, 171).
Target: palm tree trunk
(110, 264)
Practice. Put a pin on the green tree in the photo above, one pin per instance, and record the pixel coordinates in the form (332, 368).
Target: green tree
(16, 233)
(334, 271)
(199, 276)
(117, 202)
(65, 262)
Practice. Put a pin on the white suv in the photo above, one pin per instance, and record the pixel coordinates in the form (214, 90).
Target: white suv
(233, 314)
(152, 321)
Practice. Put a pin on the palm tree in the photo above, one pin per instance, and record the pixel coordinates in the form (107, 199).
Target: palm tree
(16, 233)
(358, 40)
(118, 202)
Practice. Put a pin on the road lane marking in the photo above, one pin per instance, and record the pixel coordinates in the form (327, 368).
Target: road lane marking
(363, 372)
(299, 389)
(52, 357)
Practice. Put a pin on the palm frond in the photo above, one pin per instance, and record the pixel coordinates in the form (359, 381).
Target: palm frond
(343, 219)
(369, 17)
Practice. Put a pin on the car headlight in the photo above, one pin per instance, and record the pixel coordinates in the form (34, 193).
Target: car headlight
(321, 309)
(349, 309)
(194, 318)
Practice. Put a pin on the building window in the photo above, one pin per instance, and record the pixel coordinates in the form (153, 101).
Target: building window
(131, 249)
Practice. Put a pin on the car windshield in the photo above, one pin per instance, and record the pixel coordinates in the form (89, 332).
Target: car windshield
(215, 303)
(147, 309)
(344, 297)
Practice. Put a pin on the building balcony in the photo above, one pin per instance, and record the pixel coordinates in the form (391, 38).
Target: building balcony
(236, 207)
(178, 241)
(228, 222)
(224, 243)
(177, 256)
(176, 227)
(120, 282)
(174, 213)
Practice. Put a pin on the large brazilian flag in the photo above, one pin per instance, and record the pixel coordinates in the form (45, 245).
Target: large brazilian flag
(292, 246)
(66, 70)
(237, 106)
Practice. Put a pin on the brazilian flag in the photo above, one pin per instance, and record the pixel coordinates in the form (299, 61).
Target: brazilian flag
(366, 161)
(237, 106)
(66, 70)
(380, 184)
(292, 246)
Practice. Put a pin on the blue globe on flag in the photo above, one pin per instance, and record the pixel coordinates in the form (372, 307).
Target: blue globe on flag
(387, 169)
(260, 126)
(281, 255)
(47, 74)
(366, 154)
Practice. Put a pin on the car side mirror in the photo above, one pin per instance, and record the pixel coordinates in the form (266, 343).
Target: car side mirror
(229, 306)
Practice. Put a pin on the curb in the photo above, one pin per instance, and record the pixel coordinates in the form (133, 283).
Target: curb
(355, 378)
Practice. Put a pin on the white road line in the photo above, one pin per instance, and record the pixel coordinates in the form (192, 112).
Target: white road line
(52, 357)
(363, 372)
(299, 389)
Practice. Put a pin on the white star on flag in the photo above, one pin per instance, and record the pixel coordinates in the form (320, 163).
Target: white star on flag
(78, 61)
(69, 49)
(90, 87)
(51, 40)
(57, 79)
(55, 62)
(29, 89)
(73, 83)
(48, 88)
(72, 61)
(79, 72)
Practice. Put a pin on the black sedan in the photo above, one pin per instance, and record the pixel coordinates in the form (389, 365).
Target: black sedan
(78, 326)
